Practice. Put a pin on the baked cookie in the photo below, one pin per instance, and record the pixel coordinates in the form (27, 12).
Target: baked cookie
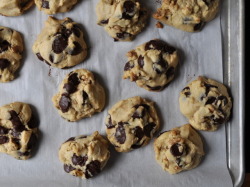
(206, 104)
(84, 156)
(122, 19)
(61, 43)
(151, 65)
(54, 6)
(14, 7)
(79, 96)
(187, 15)
(131, 123)
(18, 130)
(179, 149)
(11, 48)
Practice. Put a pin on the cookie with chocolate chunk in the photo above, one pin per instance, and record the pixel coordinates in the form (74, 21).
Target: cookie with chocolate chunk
(80, 96)
(61, 43)
(18, 130)
(151, 65)
(187, 15)
(14, 7)
(179, 149)
(84, 156)
(206, 103)
(131, 123)
(11, 49)
(122, 19)
(53, 6)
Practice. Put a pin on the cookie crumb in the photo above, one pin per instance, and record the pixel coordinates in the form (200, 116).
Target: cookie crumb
(159, 25)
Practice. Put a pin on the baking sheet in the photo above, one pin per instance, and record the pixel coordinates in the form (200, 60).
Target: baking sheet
(201, 54)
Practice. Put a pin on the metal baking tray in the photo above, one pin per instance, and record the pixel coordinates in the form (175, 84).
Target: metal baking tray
(232, 20)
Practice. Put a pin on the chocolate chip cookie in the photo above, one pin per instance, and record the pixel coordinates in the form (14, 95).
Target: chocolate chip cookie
(14, 7)
(18, 130)
(151, 65)
(53, 6)
(179, 149)
(187, 15)
(80, 96)
(122, 19)
(60, 43)
(131, 123)
(84, 156)
(206, 104)
(11, 48)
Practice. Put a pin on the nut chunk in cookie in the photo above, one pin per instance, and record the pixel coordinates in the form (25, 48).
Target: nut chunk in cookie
(131, 123)
(61, 43)
(14, 7)
(80, 96)
(206, 103)
(179, 149)
(187, 15)
(18, 130)
(11, 49)
(122, 19)
(53, 6)
(84, 156)
(151, 65)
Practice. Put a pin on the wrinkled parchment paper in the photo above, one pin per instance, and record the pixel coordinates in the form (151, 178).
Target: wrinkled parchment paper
(201, 54)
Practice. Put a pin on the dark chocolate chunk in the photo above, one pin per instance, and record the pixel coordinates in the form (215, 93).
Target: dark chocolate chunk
(45, 4)
(148, 129)
(73, 78)
(70, 139)
(76, 50)
(187, 91)
(68, 168)
(141, 61)
(170, 72)
(32, 141)
(3, 130)
(139, 114)
(79, 160)
(159, 45)
(128, 10)
(120, 133)
(16, 141)
(4, 45)
(109, 125)
(128, 66)
(156, 88)
(174, 149)
(4, 63)
(199, 26)
(60, 43)
(69, 87)
(65, 102)
(208, 86)
(92, 169)
(76, 31)
(4, 139)
(51, 58)
(39, 56)
(104, 21)
(84, 95)
(16, 122)
(210, 100)
(33, 122)
(138, 132)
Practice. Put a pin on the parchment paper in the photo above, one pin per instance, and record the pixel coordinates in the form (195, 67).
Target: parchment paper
(201, 54)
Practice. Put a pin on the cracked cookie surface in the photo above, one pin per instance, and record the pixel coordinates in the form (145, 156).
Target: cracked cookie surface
(206, 103)
(179, 149)
(61, 43)
(80, 96)
(84, 156)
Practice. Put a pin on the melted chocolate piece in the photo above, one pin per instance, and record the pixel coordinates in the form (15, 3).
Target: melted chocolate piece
(128, 66)
(76, 50)
(159, 45)
(39, 56)
(16, 122)
(104, 21)
(4, 63)
(141, 61)
(70, 139)
(4, 139)
(65, 102)
(4, 45)
(79, 160)
(33, 122)
(208, 86)
(32, 141)
(138, 132)
(45, 4)
(148, 129)
(120, 133)
(76, 31)
(156, 88)
(51, 58)
(128, 9)
(68, 168)
(92, 169)
(69, 87)
(72, 84)
(85, 96)
(60, 43)
(4, 130)
(210, 100)
(110, 125)
(187, 91)
(174, 149)
(73, 78)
